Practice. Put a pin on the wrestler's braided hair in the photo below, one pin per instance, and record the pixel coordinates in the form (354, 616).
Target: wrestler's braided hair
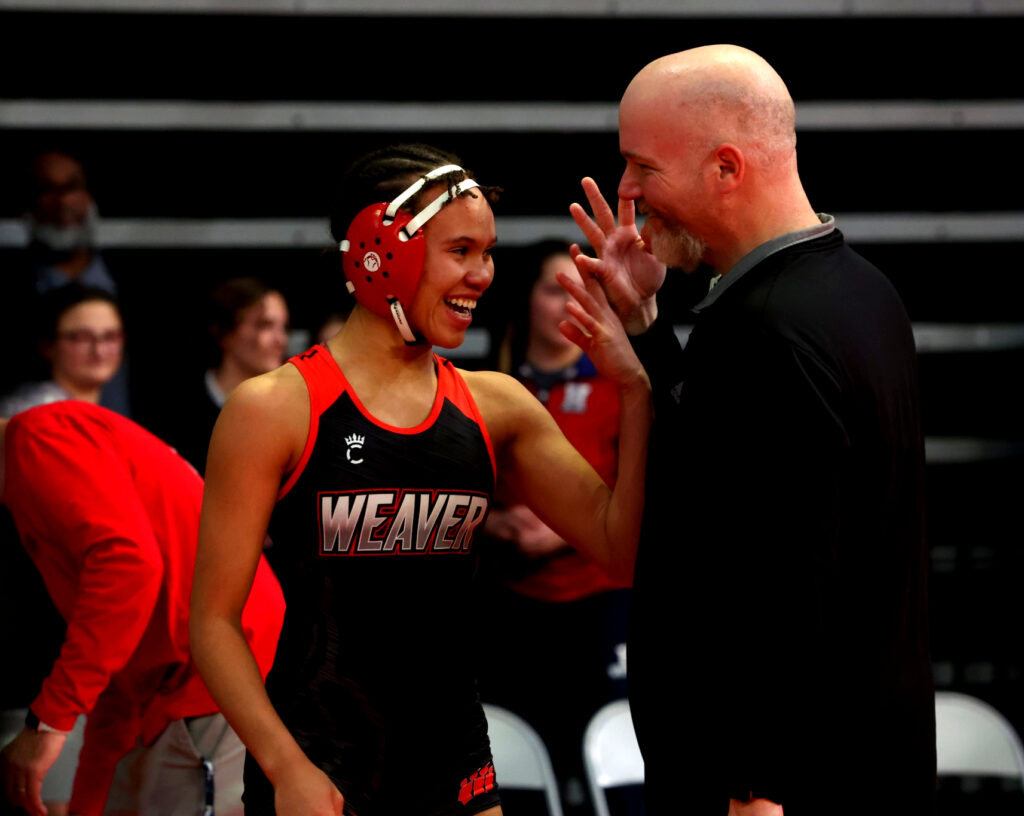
(383, 174)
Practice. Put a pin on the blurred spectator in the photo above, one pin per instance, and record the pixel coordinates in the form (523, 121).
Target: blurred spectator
(62, 221)
(558, 622)
(82, 340)
(248, 325)
(110, 515)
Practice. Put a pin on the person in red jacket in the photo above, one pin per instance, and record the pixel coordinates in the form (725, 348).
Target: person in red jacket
(109, 515)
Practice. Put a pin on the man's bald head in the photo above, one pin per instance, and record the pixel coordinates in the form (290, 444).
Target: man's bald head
(709, 139)
(720, 93)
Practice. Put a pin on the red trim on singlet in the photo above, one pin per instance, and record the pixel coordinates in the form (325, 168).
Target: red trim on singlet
(320, 397)
(435, 409)
(325, 382)
(462, 398)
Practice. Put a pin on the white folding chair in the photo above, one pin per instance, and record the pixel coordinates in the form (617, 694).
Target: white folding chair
(521, 759)
(611, 755)
(974, 739)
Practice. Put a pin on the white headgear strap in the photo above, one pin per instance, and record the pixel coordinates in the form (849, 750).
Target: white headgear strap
(434, 207)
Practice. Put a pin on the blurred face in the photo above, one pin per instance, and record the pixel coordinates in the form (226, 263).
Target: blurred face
(62, 197)
(63, 217)
(663, 176)
(548, 301)
(257, 344)
(456, 270)
(87, 351)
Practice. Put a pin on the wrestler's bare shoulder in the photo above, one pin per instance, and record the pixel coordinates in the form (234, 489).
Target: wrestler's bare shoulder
(487, 386)
(503, 401)
(275, 402)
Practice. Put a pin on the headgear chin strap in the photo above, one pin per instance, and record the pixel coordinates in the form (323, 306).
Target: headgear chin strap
(384, 250)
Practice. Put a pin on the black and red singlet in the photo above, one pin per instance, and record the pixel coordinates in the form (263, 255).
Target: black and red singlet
(372, 534)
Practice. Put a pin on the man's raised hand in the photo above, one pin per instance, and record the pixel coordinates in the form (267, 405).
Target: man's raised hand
(629, 274)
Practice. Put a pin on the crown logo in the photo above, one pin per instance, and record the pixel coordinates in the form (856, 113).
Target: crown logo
(355, 443)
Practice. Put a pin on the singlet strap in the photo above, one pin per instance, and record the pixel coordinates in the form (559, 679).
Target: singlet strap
(324, 383)
(455, 390)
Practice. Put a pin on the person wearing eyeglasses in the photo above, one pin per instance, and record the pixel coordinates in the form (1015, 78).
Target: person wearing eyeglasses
(83, 342)
(62, 223)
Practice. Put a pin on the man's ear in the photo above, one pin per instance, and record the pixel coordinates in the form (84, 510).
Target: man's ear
(730, 166)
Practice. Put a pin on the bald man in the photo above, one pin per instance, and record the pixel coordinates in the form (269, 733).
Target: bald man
(778, 650)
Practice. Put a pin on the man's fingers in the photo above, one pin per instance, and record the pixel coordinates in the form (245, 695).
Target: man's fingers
(627, 212)
(587, 226)
(623, 242)
(603, 214)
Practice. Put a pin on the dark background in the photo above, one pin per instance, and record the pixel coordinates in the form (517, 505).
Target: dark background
(970, 390)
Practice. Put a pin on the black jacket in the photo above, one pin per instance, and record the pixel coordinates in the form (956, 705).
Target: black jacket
(778, 635)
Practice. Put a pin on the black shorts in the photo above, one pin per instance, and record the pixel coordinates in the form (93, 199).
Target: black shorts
(434, 761)
(473, 794)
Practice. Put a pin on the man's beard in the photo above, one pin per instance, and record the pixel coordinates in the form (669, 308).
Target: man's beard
(675, 247)
(65, 239)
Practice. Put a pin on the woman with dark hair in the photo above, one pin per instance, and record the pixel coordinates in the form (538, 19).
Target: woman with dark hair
(373, 462)
(82, 343)
(247, 321)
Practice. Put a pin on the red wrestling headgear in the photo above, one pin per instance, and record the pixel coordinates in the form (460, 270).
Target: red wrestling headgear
(384, 250)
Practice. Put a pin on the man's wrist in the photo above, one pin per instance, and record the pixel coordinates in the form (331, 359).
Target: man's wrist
(33, 723)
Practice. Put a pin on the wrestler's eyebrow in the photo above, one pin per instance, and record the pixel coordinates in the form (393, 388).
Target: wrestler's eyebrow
(470, 239)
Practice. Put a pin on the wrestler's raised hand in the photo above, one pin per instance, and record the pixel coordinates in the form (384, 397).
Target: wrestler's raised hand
(630, 275)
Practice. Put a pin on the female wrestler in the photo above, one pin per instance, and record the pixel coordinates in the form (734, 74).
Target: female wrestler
(372, 462)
